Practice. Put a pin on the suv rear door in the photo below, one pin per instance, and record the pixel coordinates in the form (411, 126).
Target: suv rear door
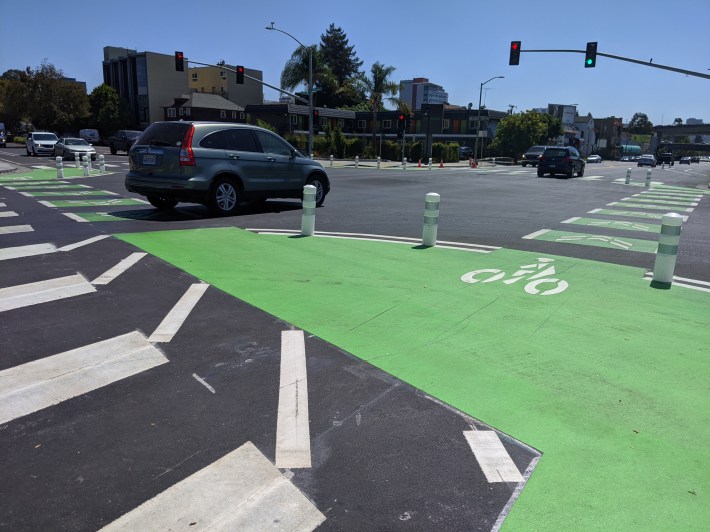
(157, 151)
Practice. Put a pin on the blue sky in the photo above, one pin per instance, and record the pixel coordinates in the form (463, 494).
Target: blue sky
(457, 44)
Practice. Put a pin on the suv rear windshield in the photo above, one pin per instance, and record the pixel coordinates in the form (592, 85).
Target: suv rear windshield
(536, 149)
(164, 134)
(555, 152)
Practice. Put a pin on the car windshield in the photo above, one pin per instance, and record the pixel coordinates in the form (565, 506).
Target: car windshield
(536, 149)
(133, 134)
(76, 142)
(45, 136)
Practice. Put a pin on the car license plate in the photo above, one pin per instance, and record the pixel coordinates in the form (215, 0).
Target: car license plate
(552, 166)
(149, 160)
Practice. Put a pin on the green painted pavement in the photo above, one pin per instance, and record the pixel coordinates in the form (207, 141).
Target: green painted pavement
(45, 175)
(632, 214)
(683, 203)
(615, 224)
(599, 241)
(94, 203)
(608, 378)
(70, 193)
(640, 205)
(46, 186)
(108, 217)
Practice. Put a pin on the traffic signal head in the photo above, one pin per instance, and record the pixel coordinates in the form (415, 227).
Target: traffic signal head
(590, 58)
(400, 122)
(179, 62)
(240, 74)
(316, 119)
(514, 53)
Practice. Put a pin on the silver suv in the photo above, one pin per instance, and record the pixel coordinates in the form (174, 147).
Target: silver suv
(40, 143)
(218, 165)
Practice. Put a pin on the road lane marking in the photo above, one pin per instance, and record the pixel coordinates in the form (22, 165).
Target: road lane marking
(72, 193)
(631, 214)
(24, 295)
(492, 456)
(614, 224)
(111, 274)
(93, 203)
(203, 382)
(49, 381)
(293, 437)
(8, 214)
(695, 284)
(640, 205)
(179, 313)
(83, 243)
(536, 234)
(3, 205)
(15, 229)
(240, 491)
(660, 201)
(35, 186)
(26, 251)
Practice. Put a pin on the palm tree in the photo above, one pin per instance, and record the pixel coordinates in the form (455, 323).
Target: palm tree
(295, 71)
(378, 86)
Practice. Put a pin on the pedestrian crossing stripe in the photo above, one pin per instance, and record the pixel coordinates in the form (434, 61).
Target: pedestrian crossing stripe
(669, 196)
(679, 190)
(591, 178)
(647, 206)
(684, 203)
(108, 217)
(615, 224)
(631, 214)
(93, 203)
(41, 167)
(637, 183)
(46, 186)
(601, 241)
(45, 194)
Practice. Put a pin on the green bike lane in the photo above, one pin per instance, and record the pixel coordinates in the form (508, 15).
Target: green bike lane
(608, 378)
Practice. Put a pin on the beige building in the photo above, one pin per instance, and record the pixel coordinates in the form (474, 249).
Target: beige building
(223, 82)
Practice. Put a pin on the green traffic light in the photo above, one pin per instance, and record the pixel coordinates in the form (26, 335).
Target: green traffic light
(589, 61)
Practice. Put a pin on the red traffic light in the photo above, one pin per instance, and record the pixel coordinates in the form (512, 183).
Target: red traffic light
(179, 62)
(240, 74)
(514, 53)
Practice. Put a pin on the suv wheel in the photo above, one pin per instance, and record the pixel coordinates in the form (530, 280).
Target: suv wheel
(113, 149)
(581, 171)
(570, 172)
(162, 203)
(224, 197)
(319, 183)
(525, 164)
(540, 173)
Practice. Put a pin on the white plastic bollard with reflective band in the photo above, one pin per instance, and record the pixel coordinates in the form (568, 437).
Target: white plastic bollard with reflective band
(60, 168)
(77, 160)
(668, 241)
(404, 163)
(429, 163)
(88, 161)
(628, 176)
(102, 164)
(308, 215)
(86, 167)
(648, 178)
(331, 161)
(431, 219)
(357, 161)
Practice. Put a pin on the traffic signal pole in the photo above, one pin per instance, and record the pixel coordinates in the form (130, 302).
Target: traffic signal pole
(628, 60)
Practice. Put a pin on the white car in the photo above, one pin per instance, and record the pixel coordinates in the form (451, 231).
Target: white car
(70, 147)
(40, 143)
(594, 159)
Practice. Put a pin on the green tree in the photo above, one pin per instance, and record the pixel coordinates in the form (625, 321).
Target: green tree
(554, 129)
(344, 65)
(106, 110)
(678, 122)
(14, 97)
(378, 87)
(516, 133)
(640, 123)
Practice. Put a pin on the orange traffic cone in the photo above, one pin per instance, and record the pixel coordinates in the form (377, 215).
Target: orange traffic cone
(475, 164)
(420, 163)
(441, 164)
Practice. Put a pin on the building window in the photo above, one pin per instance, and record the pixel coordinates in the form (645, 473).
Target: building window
(294, 120)
(361, 124)
(171, 112)
(188, 111)
(341, 123)
(222, 74)
(234, 114)
(241, 115)
(214, 89)
(447, 123)
(386, 124)
(223, 114)
(194, 76)
(181, 111)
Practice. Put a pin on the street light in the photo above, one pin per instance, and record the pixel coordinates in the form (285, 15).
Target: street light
(310, 86)
(478, 126)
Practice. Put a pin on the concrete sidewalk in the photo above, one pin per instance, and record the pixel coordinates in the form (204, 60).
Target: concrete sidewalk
(6, 168)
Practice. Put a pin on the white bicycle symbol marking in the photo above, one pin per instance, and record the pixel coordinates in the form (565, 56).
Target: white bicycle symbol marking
(534, 281)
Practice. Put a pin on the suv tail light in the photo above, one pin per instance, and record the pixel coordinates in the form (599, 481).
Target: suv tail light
(566, 159)
(187, 158)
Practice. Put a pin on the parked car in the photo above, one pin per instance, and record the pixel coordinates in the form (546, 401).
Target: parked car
(594, 159)
(40, 143)
(560, 160)
(665, 158)
(647, 160)
(684, 160)
(122, 140)
(70, 147)
(3, 136)
(694, 159)
(465, 152)
(219, 165)
(531, 156)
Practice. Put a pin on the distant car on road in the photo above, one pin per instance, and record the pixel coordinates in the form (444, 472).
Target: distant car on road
(465, 152)
(531, 156)
(666, 158)
(594, 159)
(560, 160)
(647, 160)
(40, 143)
(684, 160)
(70, 147)
(122, 140)
(694, 159)
(220, 165)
